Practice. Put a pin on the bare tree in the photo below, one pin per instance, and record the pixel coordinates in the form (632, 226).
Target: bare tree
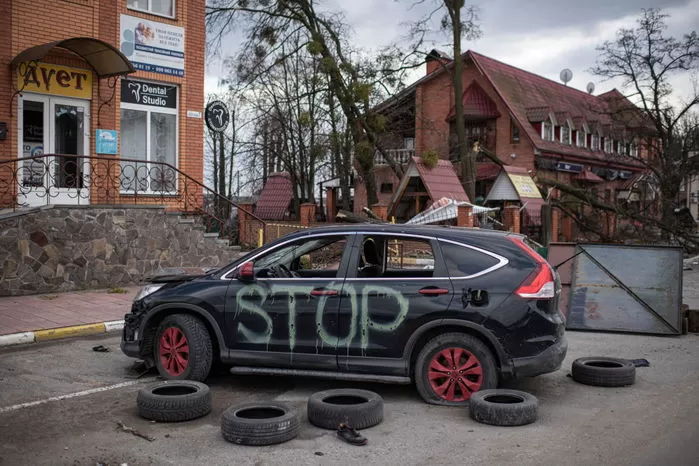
(644, 58)
(270, 23)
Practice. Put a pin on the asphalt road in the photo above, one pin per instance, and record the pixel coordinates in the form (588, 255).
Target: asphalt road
(655, 421)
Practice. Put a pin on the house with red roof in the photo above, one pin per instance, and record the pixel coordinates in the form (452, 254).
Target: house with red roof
(529, 122)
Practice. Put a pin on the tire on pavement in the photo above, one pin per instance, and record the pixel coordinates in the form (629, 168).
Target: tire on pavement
(357, 408)
(453, 366)
(604, 372)
(182, 348)
(503, 407)
(260, 424)
(174, 401)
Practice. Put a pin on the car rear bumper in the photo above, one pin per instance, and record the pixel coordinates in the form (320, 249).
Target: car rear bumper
(548, 360)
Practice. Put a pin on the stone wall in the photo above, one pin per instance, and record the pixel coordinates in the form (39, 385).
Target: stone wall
(60, 248)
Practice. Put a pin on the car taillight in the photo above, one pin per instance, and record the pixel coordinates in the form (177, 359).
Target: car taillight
(540, 283)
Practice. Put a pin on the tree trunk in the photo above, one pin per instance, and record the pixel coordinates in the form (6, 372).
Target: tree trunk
(468, 168)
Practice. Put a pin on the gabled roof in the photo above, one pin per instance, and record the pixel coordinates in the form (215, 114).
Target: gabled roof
(477, 104)
(440, 181)
(523, 91)
(275, 197)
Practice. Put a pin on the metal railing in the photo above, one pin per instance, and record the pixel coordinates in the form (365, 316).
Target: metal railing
(401, 156)
(93, 179)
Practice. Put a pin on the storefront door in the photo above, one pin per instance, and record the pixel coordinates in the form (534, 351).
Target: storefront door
(54, 125)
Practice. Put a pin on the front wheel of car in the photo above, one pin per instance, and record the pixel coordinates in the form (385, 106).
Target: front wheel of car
(453, 366)
(183, 348)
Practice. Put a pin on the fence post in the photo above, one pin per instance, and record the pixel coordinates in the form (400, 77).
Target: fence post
(511, 218)
(244, 227)
(308, 213)
(380, 211)
(330, 204)
(555, 224)
(546, 224)
(464, 216)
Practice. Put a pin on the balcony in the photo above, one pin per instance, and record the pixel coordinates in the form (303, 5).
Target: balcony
(401, 156)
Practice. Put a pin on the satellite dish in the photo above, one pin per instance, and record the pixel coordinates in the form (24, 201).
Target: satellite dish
(566, 75)
(590, 87)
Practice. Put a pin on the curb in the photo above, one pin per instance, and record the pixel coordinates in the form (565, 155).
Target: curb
(61, 332)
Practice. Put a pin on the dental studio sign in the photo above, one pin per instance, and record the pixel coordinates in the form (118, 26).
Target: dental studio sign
(55, 80)
(145, 93)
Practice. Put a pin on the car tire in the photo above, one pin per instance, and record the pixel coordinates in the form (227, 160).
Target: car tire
(260, 424)
(174, 401)
(481, 372)
(182, 348)
(604, 372)
(359, 409)
(501, 407)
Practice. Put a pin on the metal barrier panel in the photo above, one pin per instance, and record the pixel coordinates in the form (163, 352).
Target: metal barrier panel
(626, 288)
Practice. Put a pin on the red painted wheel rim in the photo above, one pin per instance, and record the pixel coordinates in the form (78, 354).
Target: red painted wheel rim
(174, 351)
(454, 374)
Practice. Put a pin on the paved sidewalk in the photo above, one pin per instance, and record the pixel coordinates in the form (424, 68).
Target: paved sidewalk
(47, 311)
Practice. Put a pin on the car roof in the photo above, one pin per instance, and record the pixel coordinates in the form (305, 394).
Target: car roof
(439, 231)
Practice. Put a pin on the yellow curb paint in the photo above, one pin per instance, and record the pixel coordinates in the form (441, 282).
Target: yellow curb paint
(65, 332)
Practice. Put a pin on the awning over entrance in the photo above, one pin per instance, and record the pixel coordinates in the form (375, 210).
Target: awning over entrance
(105, 59)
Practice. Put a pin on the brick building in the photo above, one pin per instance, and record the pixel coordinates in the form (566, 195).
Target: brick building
(527, 121)
(120, 79)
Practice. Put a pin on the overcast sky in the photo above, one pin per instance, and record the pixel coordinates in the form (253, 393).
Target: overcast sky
(541, 36)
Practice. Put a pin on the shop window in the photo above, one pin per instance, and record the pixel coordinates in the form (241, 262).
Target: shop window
(514, 131)
(156, 7)
(148, 134)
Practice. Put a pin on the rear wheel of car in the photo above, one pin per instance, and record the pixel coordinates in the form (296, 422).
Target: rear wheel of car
(182, 348)
(604, 372)
(453, 366)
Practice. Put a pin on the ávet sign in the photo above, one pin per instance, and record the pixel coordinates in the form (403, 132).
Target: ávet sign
(56, 80)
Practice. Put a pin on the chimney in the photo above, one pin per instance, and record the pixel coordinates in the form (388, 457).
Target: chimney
(435, 60)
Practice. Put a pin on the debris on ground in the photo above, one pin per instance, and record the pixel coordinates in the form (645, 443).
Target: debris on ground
(137, 370)
(132, 431)
(640, 362)
(101, 349)
(48, 297)
(350, 435)
(117, 290)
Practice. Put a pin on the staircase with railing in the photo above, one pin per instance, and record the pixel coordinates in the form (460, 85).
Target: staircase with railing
(92, 179)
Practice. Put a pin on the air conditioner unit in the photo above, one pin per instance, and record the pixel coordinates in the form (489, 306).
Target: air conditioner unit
(569, 167)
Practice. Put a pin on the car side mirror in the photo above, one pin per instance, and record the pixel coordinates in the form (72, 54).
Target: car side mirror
(246, 272)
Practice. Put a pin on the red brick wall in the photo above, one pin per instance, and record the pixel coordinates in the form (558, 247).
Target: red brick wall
(434, 100)
(26, 23)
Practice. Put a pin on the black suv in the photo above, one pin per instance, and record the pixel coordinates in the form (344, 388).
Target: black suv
(452, 309)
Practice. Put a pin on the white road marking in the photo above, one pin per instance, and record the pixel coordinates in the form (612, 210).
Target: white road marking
(7, 409)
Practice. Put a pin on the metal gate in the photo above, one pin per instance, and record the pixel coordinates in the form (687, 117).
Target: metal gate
(626, 288)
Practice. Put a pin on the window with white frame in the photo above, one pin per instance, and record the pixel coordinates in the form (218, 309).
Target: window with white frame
(565, 134)
(148, 137)
(547, 130)
(156, 7)
(608, 145)
(594, 141)
(633, 149)
(581, 138)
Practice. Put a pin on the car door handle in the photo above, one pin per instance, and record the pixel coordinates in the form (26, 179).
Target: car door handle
(324, 292)
(433, 291)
